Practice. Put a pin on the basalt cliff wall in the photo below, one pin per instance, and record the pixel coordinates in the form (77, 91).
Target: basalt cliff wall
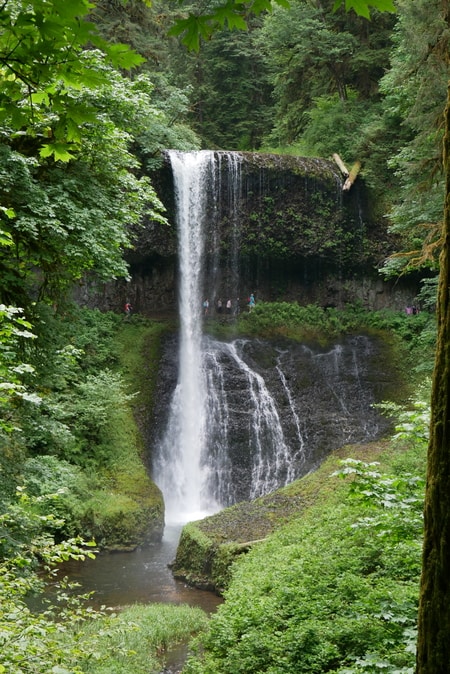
(287, 225)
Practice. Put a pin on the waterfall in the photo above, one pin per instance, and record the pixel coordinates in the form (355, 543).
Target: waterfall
(239, 404)
(178, 470)
(245, 416)
(293, 407)
(183, 467)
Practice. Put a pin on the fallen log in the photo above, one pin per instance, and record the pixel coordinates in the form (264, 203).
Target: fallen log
(352, 176)
(342, 166)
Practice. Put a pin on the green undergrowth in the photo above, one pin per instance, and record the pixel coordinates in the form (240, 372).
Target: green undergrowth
(96, 373)
(335, 588)
(135, 640)
(138, 343)
(129, 510)
(209, 546)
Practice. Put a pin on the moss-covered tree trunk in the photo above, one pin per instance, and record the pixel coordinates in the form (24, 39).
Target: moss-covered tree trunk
(433, 652)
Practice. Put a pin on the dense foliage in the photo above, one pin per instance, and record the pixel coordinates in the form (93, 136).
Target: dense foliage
(76, 436)
(335, 590)
(82, 121)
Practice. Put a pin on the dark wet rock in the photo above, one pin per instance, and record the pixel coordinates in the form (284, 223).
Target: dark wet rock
(282, 224)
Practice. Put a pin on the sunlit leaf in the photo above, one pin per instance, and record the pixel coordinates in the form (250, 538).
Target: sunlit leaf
(121, 56)
(10, 213)
(359, 6)
(362, 7)
(57, 150)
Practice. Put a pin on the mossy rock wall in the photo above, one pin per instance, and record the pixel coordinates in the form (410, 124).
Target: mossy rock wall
(126, 509)
(292, 234)
(124, 521)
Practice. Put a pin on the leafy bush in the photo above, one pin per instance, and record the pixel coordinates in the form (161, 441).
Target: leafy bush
(335, 591)
(412, 420)
(14, 372)
(67, 636)
(70, 486)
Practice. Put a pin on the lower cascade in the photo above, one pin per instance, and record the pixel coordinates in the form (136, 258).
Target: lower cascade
(245, 417)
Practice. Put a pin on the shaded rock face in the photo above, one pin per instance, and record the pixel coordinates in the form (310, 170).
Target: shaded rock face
(277, 408)
(279, 226)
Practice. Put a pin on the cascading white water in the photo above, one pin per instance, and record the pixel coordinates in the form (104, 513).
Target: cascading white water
(294, 411)
(246, 417)
(271, 457)
(179, 471)
(271, 462)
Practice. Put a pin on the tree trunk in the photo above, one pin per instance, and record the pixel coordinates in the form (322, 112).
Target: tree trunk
(342, 167)
(433, 647)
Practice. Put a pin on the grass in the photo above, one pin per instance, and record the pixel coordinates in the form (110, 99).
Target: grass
(135, 640)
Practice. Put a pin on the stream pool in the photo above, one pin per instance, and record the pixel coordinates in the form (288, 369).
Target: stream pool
(138, 577)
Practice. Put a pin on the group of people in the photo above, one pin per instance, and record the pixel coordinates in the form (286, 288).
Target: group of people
(411, 310)
(228, 306)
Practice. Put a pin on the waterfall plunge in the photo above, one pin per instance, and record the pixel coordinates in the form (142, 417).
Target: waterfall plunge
(178, 470)
(245, 417)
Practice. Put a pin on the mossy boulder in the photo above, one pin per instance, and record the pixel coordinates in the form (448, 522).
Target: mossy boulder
(123, 521)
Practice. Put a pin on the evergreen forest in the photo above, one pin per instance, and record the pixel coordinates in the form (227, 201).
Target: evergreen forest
(92, 92)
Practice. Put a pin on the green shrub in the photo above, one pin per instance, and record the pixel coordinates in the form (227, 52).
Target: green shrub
(334, 591)
(68, 485)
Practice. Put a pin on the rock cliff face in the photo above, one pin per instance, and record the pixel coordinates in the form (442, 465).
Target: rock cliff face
(276, 408)
(282, 223)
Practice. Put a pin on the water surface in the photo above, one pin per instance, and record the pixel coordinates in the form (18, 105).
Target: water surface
(141, 576)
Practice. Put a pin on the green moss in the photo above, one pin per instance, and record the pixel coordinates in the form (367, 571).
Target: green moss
(139, 347)
(120, 521)
(195, 553)
(127, 509)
